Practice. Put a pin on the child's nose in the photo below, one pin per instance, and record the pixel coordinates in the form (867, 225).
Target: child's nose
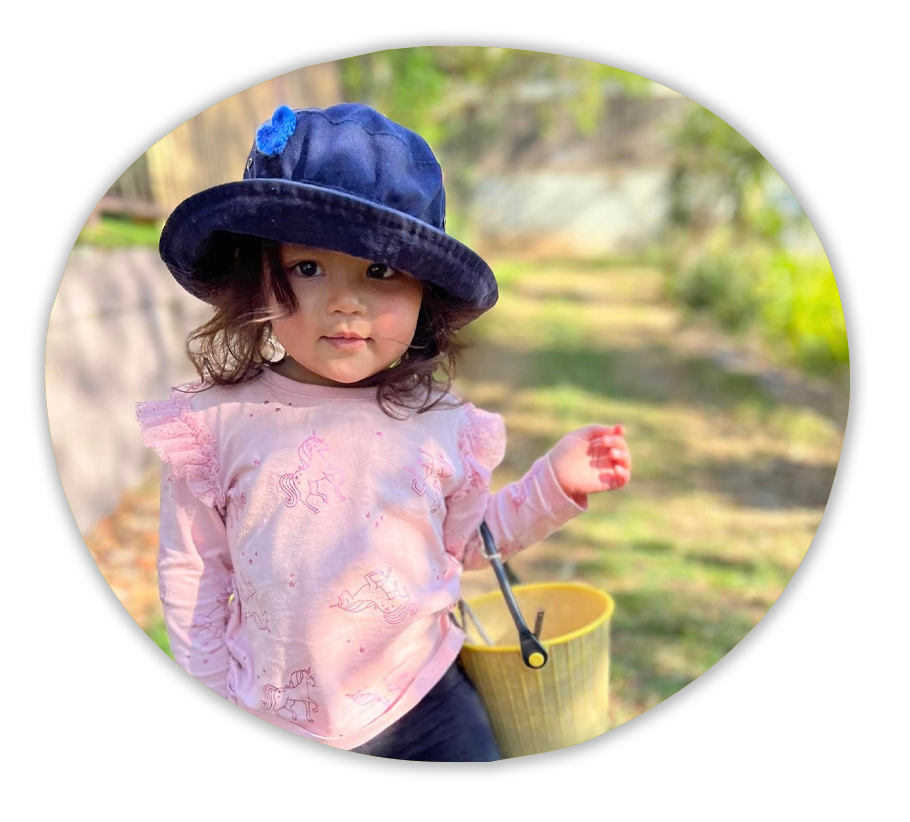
(344, 297)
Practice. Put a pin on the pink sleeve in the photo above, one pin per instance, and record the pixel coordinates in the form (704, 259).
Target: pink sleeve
(194, 565)
(519, 515)
(182, 441)
(194, 581)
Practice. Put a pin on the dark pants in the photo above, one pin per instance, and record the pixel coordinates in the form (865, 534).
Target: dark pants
(450, 724)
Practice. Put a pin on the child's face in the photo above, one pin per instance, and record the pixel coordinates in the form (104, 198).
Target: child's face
(340, 293)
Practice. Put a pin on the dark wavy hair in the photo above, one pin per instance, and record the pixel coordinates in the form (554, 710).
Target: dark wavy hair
(241, 272)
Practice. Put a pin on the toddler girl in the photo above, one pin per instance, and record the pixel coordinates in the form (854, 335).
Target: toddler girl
(317, 511)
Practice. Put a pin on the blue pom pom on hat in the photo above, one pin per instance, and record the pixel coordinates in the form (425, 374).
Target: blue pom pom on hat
(273, 136)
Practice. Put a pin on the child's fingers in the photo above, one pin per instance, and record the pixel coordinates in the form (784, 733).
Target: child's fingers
(620, 457)
(613, 446)
(622, 473)
(614, 438)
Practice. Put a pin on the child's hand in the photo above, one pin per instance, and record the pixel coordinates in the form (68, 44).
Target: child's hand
(592, 459)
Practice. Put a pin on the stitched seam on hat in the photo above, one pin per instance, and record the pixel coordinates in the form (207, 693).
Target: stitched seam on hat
(375, 134)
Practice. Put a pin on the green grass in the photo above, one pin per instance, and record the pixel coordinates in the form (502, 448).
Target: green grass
(158, 632)
(111, 232)
(729, 484)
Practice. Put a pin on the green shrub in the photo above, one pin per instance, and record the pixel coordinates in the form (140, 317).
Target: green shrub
(790, 300)
(720, 285)
(801, 310)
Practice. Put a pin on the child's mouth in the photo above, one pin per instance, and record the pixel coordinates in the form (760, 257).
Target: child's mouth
(345, 342)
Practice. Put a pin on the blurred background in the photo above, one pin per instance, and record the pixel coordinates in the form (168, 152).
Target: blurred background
(654, 270)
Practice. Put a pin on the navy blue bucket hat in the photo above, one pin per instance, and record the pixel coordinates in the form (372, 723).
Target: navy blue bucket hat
(345, 178)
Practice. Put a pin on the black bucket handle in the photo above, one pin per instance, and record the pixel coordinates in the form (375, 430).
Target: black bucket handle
(533, 653)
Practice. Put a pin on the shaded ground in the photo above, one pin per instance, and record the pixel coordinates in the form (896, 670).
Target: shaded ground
(733, 464)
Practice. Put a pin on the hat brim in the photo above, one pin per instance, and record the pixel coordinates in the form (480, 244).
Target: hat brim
(290, 212)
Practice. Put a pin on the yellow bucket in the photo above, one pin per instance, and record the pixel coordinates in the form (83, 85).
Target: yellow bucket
(561, 704)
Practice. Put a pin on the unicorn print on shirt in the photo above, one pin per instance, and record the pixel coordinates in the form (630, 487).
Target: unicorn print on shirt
(252, 609)
(321, 472)
(389, 598)
(238, 500)
(297, 690)
(432, 473)
(520, 492)
(391, 686)
(209, 626)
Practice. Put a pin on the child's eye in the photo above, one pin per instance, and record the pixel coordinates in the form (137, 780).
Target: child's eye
(390, 272)
(308, 264)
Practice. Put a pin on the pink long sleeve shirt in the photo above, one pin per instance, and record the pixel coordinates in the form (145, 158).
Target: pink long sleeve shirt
(311, 547)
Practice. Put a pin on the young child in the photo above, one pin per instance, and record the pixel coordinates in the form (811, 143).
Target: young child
(317, 511)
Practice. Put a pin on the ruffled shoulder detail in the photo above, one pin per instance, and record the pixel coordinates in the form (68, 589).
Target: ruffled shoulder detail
(482, 446)
(182, 440)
